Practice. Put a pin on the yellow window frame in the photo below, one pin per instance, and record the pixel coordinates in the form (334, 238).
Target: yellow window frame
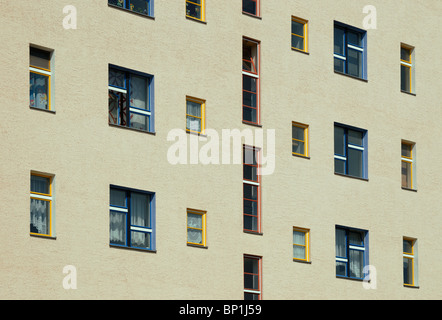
(203, 11)
(408, 64)
(303, 37)
(202, 229)
(35, 196)
(202, 104)
(305, 128)
(306, 244)
(410, 256)
(409, 160)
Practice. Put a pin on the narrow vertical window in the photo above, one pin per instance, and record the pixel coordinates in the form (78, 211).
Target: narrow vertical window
(195, 115)
(250, 72)
(251, 190)
(40, 79)
(407, 68)
(410, 261)
(407, 165)
(196, 227)
(351, 252)
(251, 7)
(41, 205)
(299, 34)
(195, 9)
(301, 244)
(252, 277)
(299, 139)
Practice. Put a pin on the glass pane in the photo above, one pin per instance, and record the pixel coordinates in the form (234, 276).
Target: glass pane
(251, 271)
(117, 78)
(297, 28)
(355, 137)
(194, 236)
(249, 156)
(249, 173)
(408, 246)
(193, 10)
(140, 6)
(40, 216)
(193, 124)
(117, 108)
(339, 65)
(139, 121)
(406, 54)
(406, 150)
(354, 161)
(117, 232)
(339, 141)
(341, 268)
(140, 239)
(139, 93)
(341, 243)
(406, 174)
(249, 84)
(356, 263)
(355, 238)
(118, 3)
(339, 166)
(408, 271)
(140, 210)
(39, 58)
(40, 184)
(249, 6)
(405, 78)
(249, 114)
(117, 198)
(354, 61)
(194, 220)
(251, 207)
(250, 191)
(297, 42)
(339, 41)
(39, 91)
(298, 133)
(250, 223)
(354, 38)
(251, 296)
(298, 237)
(299, 252)
(298, 147)
(193, 108)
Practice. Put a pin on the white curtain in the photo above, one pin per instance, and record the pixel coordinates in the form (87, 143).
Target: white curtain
(340, 243)
(117, 234)
(194, 221)
(140, 217)
(40, 216)
(298, 245)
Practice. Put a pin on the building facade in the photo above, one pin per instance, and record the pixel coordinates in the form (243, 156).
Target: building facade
(203, 150)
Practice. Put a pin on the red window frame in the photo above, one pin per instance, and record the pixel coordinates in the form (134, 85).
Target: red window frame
(252, 183)
(251, 75)
(253, 291)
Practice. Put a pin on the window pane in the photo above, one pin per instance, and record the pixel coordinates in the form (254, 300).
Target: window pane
(193, 10)
(251, 207)
(406, 150)
(354, 38)
(249, 6)
(406, 54)
(193, 108)
(297, 42)
(139, 121)
(194, 236)
(298, 147)
(408, 271)
(40, 216)
(117, 78)
(39, 91)
(251, 296)
(194, 220)
(117, 232)
(139, 93)
(249, 156)
(39, 58)
(339, 65)
(140, 6)
(117, 198)
(405, 78)
(117, 108)
(298, 133)
(339, 41)
(354, 60)
(355, 238)
(408, 246)
(40, 184)
(250, 192)
(356, 263)
(298, 237)
(354, 161)
(299, 252)
(297, 28)
(341, 243)
(250, 223)
(406, 174)
(355, 137)
(249, 173)
(140, 210)
(339, 166)
(249, 114)
(140, 239)
(341, 268)
(251, 278)
(118, 3)
(339, 141)
(249, 83)
(193, 124)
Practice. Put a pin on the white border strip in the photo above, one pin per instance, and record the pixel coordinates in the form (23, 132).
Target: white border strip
(117, 89)
(40, 71)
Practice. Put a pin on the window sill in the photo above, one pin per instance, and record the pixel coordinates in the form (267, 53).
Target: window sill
(300, 51)
(409, 189)
(253, 232)
(350, 76)
(252, 124)
(132, 129)
(301, 156)
(130, 11)
(197, 246)
(302, 261)
(352, 279)
(352, 177)
(196, 133)
(252, 15)
(130, 248)
(44, 110)
(196, 20)
(409, 286)
(42, 236)
(408, 92)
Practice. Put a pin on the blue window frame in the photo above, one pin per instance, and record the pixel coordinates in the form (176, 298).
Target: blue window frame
(131, 99)
(350, 50)
(132, 218)
(351, 252)
(350, 151)
(144, 7)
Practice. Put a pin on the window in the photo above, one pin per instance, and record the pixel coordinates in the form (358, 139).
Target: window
(407, 164)
(351, 252)
(251, 7)
(42, 213)
(252, 277)
(410, 261)
(132, 218)
(40, 79)
(299, 34)
(195, 9)
(130, 99)
(299, 139)
(407, 68)
(196, 227)
(195, 115)
(251, 189)
(138, 6)
(250, 77)
(350, 53)
(350, 151)
(301, 244)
